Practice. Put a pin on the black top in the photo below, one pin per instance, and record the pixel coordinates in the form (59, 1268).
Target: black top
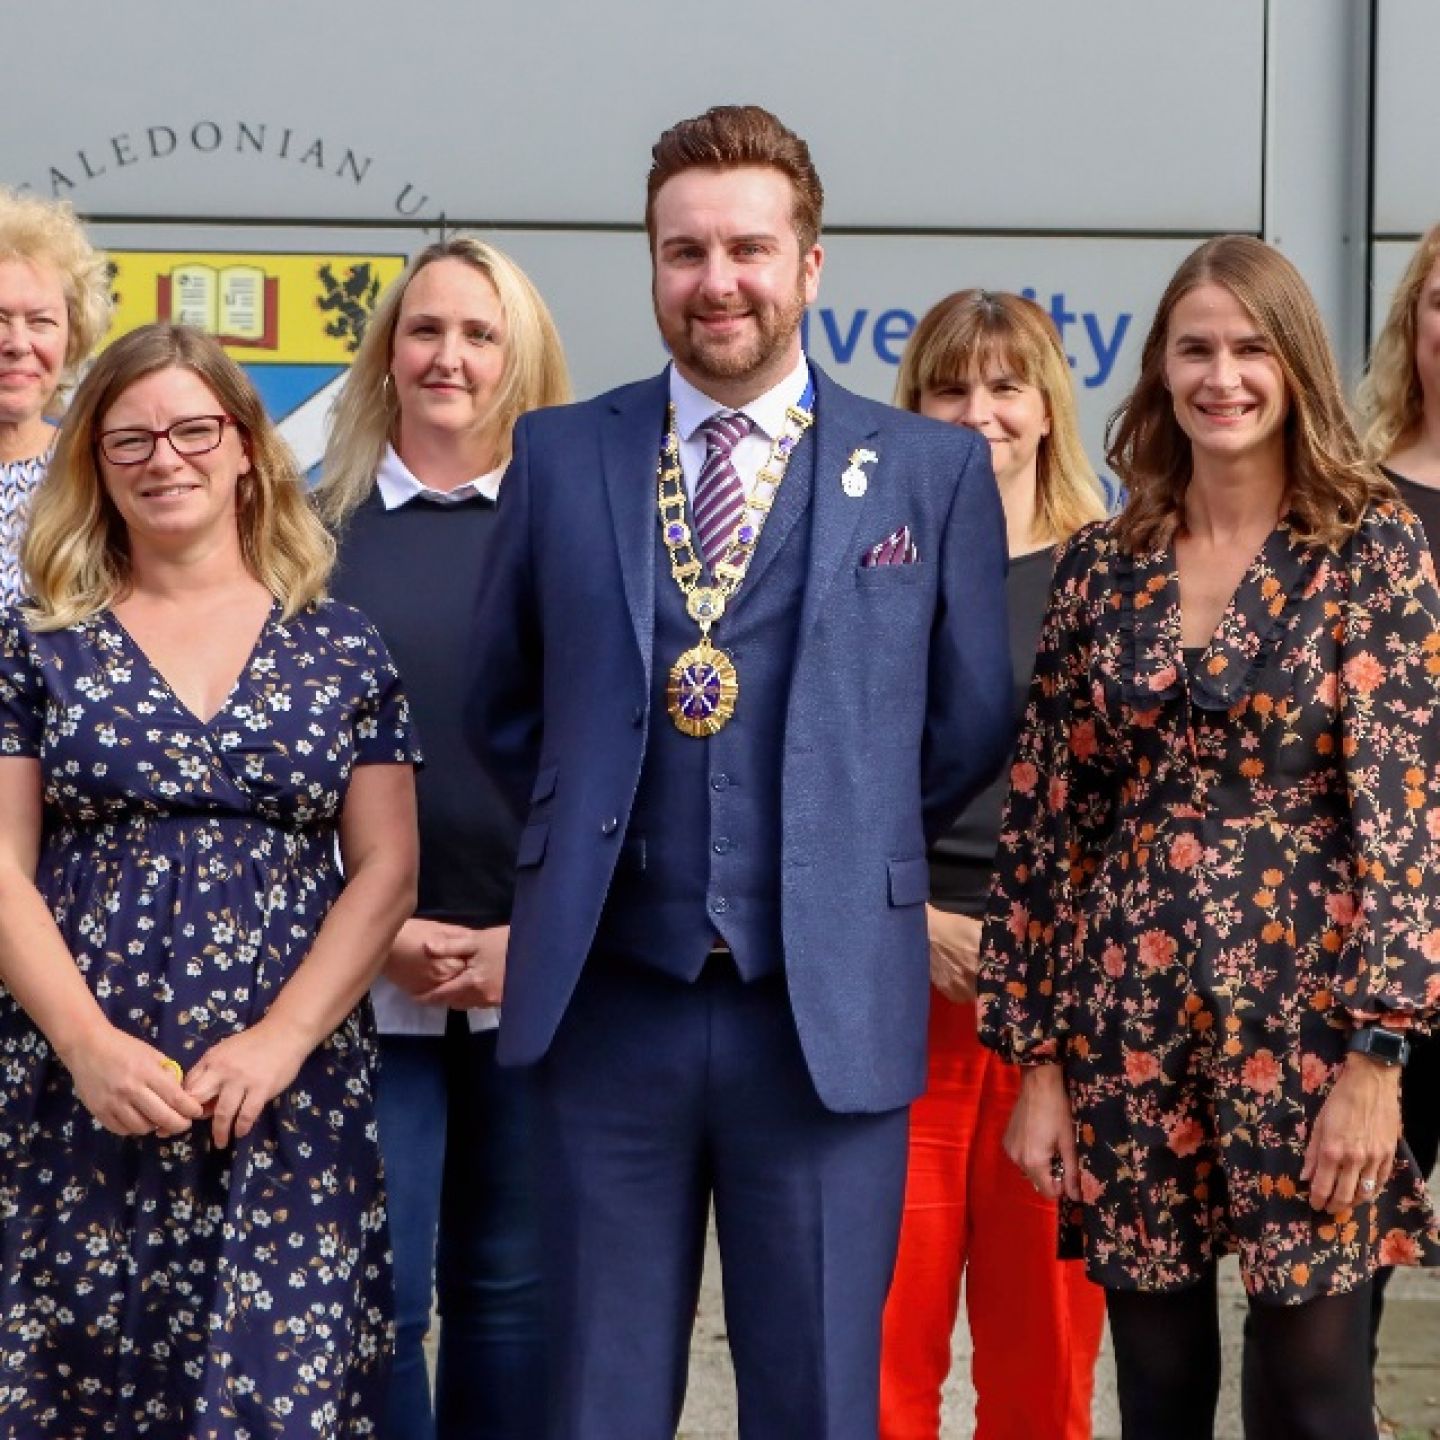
(1424, 500)
(961, 862)
(414, 572)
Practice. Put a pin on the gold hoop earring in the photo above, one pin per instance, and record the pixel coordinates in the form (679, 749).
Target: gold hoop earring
(387, 389)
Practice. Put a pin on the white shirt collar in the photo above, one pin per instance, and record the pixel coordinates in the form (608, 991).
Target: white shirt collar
(398, 486)
(693, 407)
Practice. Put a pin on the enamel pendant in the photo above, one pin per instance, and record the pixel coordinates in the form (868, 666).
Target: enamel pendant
(702, 690)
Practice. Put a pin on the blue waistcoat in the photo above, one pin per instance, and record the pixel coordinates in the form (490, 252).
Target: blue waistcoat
(701, 855)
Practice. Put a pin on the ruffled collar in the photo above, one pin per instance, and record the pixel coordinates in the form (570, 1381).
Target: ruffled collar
(1152, 670)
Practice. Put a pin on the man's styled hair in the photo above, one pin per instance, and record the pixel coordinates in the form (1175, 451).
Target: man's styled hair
(727, 137)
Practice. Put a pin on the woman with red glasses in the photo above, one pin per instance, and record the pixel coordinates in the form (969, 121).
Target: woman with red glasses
(192, 1225)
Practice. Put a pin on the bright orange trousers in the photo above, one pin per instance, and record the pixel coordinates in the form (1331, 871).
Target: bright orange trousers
(1035, 1321)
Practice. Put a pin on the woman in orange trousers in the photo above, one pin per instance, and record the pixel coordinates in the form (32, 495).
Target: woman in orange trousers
(993, 362)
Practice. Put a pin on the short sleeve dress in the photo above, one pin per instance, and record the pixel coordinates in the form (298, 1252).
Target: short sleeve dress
(1206, 879)
(162, 1287)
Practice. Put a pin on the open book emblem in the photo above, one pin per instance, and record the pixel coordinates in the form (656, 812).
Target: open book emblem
(293, 319)
(238, 304)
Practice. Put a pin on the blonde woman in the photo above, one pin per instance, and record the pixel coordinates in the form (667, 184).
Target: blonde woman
(1205, 941)
(458, 348)
(1399, 406)
(54, 310)
(992, 362)
(193, 1241)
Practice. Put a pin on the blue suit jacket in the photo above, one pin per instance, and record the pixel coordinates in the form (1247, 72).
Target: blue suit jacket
(899, 710)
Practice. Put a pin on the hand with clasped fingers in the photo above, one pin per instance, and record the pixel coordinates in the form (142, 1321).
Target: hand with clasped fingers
(1040, 1138)
(954, 954)
(129, 1086)
(237, 1077)
(452, 965)
(1356, 1134)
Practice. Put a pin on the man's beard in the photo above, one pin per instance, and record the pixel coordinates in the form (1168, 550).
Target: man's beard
(771, 335)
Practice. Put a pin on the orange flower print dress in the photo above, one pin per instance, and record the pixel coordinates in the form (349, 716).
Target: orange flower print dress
(1206, 880)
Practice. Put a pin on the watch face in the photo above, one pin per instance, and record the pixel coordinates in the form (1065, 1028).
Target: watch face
(1382, 1044)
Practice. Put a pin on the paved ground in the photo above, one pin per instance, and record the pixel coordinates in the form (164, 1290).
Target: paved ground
(1409, 1374)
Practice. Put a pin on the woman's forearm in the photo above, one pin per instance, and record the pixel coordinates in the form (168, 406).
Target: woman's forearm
(348, 953)
(379, 841)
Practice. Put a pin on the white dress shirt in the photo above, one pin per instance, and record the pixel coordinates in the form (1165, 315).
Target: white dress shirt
(398, 486)
(767, 413)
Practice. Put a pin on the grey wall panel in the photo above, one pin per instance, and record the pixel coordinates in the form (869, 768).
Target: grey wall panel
(972, 115)
(1407, 117)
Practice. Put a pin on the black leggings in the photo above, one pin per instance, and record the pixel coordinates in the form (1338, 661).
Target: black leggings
(1306, 1374)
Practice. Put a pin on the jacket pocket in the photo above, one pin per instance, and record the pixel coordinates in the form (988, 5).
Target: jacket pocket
(909, 881)
(889, 577)
(531, 851)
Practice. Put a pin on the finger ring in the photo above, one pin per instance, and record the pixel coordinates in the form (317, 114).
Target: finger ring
(1367, 1186)
(173, 1066)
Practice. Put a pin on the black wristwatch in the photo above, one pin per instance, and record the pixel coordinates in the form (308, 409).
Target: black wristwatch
(1389, 1047)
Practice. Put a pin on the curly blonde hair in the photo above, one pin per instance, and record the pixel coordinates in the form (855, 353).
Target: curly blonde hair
(76, 553)
(962, 333)
(366, 414)
(1389, 400)
(1329, 482)
(47, 232)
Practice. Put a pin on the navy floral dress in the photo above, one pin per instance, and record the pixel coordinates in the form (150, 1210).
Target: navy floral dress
(1206, 879)
(163, 1287)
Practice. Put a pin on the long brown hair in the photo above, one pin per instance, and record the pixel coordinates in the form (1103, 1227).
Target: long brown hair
(76, 553)
(1329, 482)
(957, 337)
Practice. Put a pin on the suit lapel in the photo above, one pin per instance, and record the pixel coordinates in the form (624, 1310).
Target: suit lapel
(630, 451)
(840, 428)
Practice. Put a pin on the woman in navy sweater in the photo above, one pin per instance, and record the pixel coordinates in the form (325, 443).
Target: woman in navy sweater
(457, 350)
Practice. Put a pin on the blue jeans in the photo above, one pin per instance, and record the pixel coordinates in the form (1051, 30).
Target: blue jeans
(455, 1137)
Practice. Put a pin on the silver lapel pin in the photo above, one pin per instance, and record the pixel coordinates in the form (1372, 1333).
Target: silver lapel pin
(855, 482)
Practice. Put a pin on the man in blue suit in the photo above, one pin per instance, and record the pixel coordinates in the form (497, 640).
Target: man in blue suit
(741, 654)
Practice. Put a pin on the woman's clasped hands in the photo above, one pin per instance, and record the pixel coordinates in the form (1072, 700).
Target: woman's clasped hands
(132, 1088)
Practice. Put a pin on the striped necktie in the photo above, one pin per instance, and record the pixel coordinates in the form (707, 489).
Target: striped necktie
(719, 495)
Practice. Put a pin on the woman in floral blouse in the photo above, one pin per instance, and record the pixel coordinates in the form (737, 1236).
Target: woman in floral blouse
(1210, 924)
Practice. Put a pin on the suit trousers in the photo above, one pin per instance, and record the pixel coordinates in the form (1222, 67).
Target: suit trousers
(656, 1098)
(1035, 1322)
